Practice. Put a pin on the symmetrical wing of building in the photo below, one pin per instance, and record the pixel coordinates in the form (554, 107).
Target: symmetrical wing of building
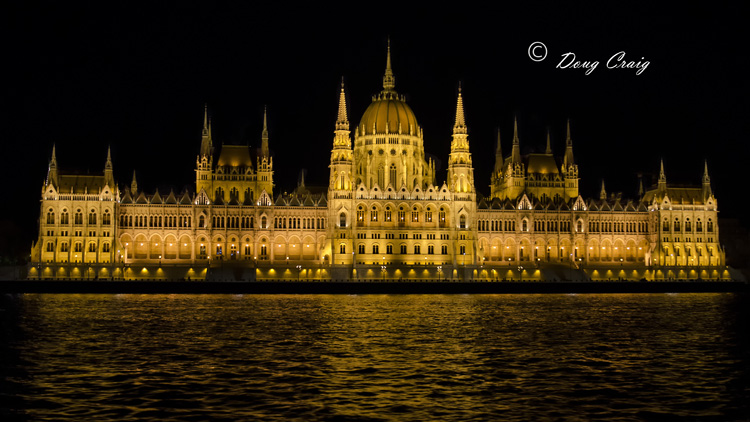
(384, 215)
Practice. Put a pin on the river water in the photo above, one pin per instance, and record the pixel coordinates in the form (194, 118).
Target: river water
(375, 357)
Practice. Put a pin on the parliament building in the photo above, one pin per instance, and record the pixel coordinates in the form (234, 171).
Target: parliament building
(383, 216)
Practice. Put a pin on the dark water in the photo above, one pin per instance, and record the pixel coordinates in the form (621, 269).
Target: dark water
(371, 358)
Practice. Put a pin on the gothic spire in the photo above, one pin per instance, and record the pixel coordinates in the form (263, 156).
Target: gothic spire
(548, 151)
(640, 186)
(662, 184)
(264, 134)
(342, 123)
(205, 119)
(52, 171)
(133, 185)
(206, 142)
(460, 125)
(389, 81)
(108, 165)
(498, 154)
(603, 192)
(706, 181)
(516, 152)
(706, 178)
(568, 159)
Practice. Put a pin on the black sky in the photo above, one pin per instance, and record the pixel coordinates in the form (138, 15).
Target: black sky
(136, 78)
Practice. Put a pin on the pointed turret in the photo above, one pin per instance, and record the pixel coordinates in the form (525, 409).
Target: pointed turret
(640, 187)
(389, 81)
(108, 177)
(662, 184)
(568, 159)
(706, 181)
(342, 123)
(52, 170)
(548, 151)
(498, 154)
(206, 142)
(460, 171)
(460, 125)
(516, 152)
(264, 134)
(133, 186)
(603, 192)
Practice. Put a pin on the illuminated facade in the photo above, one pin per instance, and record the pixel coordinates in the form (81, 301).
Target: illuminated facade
(384, 215)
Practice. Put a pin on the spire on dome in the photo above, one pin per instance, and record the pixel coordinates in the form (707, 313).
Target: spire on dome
(342, 123)
(460, 126)
(549, 145)
(389, 81)
(264, 134)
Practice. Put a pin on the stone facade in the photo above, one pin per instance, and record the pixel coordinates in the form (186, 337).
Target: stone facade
(383, 216)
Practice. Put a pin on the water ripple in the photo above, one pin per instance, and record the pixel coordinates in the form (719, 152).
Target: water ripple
(375, 357)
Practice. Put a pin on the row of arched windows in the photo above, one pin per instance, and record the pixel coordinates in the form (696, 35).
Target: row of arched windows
(676, 226)
(78, 217)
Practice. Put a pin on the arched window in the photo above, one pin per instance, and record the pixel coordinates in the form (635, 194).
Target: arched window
(64, 219)
(579, 226)
(524, 226)
(676, 225)
(688, 226)
(50, 216)
(710, 226)
(342, 220)
(106, 218)
(263, 222)
(202, 221)
(462, 222)
(392, 175)
(92, 217)
(699, 226)
(342, 248)
(374, 214)
(78, 218)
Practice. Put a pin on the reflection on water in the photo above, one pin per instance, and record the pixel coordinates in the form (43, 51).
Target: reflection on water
(431, 357)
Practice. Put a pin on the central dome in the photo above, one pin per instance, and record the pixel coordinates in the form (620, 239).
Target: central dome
(386, 113)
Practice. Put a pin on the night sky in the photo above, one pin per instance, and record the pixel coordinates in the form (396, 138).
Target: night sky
(136, 78)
